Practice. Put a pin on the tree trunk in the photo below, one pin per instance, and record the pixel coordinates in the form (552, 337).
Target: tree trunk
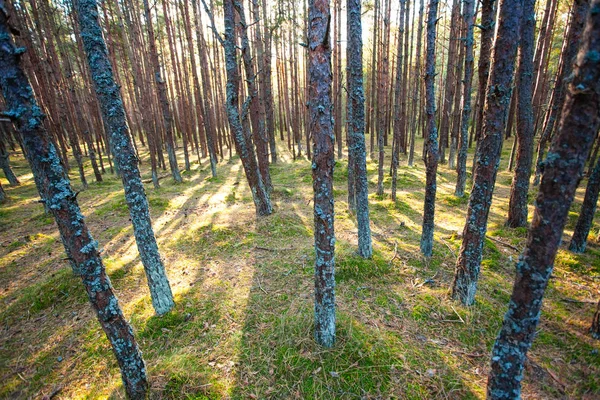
(113, 115)
(257, 115)
(431, 159)
(451, 78)
(5, 163)
(461, 167)
(569, 51)
(517, 208)
(411, 152)
(398, 120)
(488, 151)
(357, 155)
(321, 128)
(162, 96)
(243, 141)
(579, 124)
(595, 328)
(58, 195)
(588, 209)
(488, 26)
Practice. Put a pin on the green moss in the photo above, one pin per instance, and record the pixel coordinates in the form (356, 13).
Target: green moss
(352, 266)
(116, 206)
(158, 203)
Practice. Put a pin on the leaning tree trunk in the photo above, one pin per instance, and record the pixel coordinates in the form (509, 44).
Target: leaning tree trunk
(579, 124)
(357, 155)
(243, 141)
(431, 158)
(488, 150)
(59, 197)
(588, 209)
(113, 115)
(257, 115)
(517, 208)
(461, 165)
(321, 129)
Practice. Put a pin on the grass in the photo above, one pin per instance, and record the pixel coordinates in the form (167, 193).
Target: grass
(242, 324)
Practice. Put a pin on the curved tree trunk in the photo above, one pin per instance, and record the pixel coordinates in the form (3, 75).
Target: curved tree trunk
(578, 126)
(113, 115)
(243, 140)
(56, 192)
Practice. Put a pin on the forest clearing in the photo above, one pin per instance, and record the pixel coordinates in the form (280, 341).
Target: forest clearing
(159, 236)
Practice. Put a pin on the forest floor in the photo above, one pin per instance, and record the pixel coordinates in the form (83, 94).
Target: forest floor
(242, 326)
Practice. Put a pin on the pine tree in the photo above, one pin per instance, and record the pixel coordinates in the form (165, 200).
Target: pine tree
(5, 162)
(113, 115)
(357, 155)
(60, 199)
(568, 53)
(517, 208)
(321, 129)
(579, 124)
(163, 100)
(431, 139)
(588, 210)
(488, 150)
(461, 165)
(241, 135)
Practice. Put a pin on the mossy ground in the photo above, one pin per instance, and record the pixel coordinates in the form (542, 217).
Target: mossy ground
(242, 326)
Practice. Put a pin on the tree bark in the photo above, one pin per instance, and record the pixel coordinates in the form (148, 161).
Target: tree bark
(417, 99)
(357, 155)
(517, 208)
(451, 78)
(5, 163)
(579, 124)
(321, 128)
(243, 141)
(113, 115)
(398, 120)
(461, 167)
(588, 209)
(488, 151)
(569, 51)
(162, 96)
(488, 26)
(257, 115)
(595, 328)
(431, 158)
(60, 199)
